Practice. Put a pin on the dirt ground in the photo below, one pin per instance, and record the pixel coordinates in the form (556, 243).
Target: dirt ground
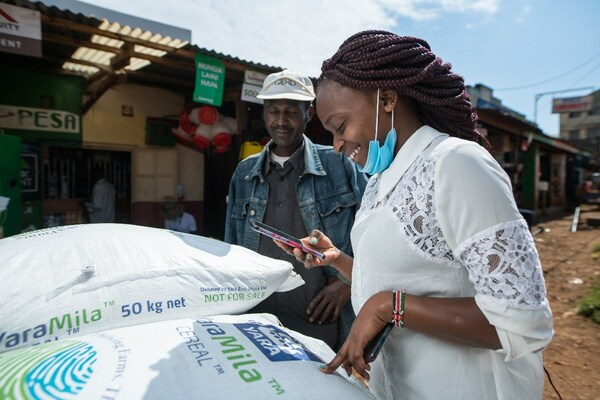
(573, 357)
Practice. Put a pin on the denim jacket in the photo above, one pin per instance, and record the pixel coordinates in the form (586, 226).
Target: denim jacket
(329, 193)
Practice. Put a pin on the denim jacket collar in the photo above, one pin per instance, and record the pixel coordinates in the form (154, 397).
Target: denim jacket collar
(312, 162)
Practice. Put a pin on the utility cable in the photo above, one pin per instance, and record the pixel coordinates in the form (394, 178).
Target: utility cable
(586, 75)
(550, 79)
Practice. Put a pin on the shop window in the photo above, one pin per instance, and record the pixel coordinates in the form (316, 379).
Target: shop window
(574, 134)
(593, 133)
(47, 102)
(575, 114)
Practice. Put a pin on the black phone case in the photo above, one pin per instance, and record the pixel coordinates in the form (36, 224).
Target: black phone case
(374, 346)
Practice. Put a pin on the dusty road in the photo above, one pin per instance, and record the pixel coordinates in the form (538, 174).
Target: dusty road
(570, 269)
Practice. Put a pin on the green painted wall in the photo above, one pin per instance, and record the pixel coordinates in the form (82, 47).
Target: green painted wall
(10, 184)
(25, 88)
(529, 172)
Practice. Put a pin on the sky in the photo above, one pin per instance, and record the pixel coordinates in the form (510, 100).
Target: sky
(522, 49)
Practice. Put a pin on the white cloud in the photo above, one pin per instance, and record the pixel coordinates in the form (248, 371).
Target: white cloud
(424, 10)
(524, 11)
(288, 33)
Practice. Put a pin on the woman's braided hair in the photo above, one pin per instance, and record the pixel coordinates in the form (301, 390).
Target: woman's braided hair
(379, 59)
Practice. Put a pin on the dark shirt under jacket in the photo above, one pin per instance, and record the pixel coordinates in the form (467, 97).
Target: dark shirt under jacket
(282, 212)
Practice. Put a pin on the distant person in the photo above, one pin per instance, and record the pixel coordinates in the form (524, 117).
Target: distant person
(101, 207)
(176, 219)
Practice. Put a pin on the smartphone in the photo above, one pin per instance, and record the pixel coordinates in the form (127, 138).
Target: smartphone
(283, 237)
(374, 346)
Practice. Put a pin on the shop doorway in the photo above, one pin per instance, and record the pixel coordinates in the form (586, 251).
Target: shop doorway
(68, 183)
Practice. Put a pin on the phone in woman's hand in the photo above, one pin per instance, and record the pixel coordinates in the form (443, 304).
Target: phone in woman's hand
(283, 237)
(374, 346)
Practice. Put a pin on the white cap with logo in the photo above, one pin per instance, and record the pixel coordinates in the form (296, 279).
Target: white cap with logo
(287, 85)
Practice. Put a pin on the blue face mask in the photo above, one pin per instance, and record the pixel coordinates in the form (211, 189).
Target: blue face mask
(380, 158)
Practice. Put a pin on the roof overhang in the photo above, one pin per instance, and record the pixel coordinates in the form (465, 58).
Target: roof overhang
(79, 39)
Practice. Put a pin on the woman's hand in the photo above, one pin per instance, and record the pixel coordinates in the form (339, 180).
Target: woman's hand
(318, 241)
(371, 319)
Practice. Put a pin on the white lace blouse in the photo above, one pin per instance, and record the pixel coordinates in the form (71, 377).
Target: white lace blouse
(441, 221)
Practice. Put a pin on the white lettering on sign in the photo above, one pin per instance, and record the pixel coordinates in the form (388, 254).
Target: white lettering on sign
(10, 43)
(37, 119)
(20, 21)
(209, 67)
(209, 75)
(207, 83)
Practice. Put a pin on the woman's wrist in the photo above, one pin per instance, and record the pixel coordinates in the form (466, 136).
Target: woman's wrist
(398, 308)
(342, 262)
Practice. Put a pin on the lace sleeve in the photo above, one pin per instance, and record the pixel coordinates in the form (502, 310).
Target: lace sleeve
(502, 262)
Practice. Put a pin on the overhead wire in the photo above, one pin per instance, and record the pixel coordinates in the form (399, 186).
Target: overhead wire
(550, 79)
(573, 85)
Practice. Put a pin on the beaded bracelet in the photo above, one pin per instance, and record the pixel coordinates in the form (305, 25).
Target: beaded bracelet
(398, 308)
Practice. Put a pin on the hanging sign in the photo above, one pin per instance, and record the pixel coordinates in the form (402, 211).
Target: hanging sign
(572, 104)
(38, 119)
(253, 82)
(20, 31)
(210, 80)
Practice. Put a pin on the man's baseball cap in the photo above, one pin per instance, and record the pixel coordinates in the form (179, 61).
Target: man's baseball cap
(287, 85)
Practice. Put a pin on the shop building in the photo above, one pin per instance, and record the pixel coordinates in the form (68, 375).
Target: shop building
(90, 91)
(580, 120)
(544, 171)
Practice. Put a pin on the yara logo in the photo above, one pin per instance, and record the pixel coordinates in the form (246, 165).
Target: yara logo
(275, 343)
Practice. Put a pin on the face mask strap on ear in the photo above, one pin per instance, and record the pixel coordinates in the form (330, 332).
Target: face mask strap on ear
(377, 117)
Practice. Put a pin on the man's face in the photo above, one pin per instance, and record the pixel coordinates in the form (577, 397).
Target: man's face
(286, 121)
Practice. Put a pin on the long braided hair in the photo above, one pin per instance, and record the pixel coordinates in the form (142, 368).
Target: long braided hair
(379, 59)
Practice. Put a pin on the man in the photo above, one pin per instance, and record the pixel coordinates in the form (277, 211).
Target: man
(176, 219)
(297, 186)
(101, 207)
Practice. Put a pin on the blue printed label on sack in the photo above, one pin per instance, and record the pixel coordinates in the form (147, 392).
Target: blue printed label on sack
(57, 370)
(275, 343)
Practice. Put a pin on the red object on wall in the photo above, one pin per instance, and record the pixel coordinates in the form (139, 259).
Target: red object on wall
(204, 115)
(201, 142)
(182, 136)
(186, 124)
(222, 142)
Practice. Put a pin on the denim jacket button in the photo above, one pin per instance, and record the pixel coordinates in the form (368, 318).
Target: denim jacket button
(252, 212)
(338, 210)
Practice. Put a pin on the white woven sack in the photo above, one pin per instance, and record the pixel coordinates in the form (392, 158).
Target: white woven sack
(66, 281)
(222, 357)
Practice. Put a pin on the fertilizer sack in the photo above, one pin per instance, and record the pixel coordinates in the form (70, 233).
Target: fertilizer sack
(221, 357)
(65, 281)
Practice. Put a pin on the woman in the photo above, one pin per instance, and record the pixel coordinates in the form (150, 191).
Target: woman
(439, 245)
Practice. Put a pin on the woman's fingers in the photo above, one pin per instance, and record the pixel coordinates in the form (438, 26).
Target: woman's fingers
(335, 363)
(348, 364)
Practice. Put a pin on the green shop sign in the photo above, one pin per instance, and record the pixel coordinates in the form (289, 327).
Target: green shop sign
(36, 106)
(210, 80)
(38, 119)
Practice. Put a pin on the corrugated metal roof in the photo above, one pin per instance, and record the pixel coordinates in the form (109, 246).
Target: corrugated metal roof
(107, 53)
(80, 59)
(234, 59)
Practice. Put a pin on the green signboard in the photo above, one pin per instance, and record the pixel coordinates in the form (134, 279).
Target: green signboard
(39, 106)
(210, 80)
